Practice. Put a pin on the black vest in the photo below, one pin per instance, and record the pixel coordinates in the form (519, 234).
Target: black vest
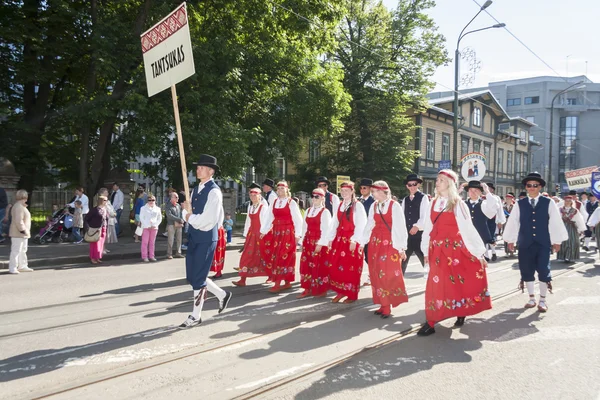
(328, 202)
(590, 208)
(480, 221)
(367, 203)
(412, 209)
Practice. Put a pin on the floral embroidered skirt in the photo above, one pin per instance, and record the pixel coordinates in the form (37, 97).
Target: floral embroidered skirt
(457, 283)
(250, 261)
(345, 266)
(314, 271)
(219, 258)
(279, 253)
(385, 270)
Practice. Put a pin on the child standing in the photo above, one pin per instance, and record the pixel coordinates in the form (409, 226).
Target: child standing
(228, 224)
(77, 222)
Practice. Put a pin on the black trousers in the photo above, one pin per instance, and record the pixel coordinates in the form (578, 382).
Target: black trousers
(414, 246)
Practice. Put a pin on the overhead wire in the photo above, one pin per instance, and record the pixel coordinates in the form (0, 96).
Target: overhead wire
(501, 111)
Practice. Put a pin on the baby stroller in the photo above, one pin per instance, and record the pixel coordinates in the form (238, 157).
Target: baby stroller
(58, 229)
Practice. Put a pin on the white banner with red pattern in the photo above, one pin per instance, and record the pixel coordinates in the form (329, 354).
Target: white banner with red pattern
(167, 49)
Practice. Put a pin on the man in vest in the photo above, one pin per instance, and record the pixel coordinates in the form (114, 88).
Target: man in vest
(267, 187)
(416, 209)
(367, 201)
(536, 224)
(590, 207)
(494, 223)
(481, 211)
(509, 203)
(204, 215)
(332, 201)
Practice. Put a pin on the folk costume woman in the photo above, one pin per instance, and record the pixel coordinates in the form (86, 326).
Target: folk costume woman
(345, 246)
(314, 267)
(387, 238)
(457, 282)
(250, 262)
(575, 224)
(284, 221)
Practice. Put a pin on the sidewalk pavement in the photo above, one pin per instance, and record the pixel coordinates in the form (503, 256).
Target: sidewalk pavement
(55, 254)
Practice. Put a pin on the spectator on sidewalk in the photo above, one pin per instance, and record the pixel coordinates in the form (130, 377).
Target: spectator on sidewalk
(174, 225)
(77, 222)
(150, 219)
(228, 225)
(3, 206)
(20, 232)
(111, 228)
(6, 223)
(117, 199)
(97, 218)
(139, 203)
(85, 202)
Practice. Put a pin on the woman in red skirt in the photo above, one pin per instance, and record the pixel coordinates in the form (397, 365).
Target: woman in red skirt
(387, 238)
(250, 262)
(345, 246)
(457, 282)
(284, 221)
(314, 274)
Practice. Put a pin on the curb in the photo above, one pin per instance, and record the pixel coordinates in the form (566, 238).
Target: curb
(85, 259)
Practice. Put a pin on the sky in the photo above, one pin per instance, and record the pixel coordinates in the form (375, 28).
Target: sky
(564, 33)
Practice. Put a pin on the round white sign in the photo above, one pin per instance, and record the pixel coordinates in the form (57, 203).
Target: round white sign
(473, 167)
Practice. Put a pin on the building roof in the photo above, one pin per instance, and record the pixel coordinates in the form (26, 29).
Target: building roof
(472, 95)
(543, 78)
(523, 120)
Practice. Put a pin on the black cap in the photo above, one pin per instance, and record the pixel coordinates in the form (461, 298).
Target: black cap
(269, 182)
(474, 185)
(322, 179)
(254, 185)
(534, 176)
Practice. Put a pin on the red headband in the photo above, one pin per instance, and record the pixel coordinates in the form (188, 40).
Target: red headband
(255, 190)
(347, 185)
(510, 195)
(282, 185)
(568, 197)
(380, 187)
(448, 175)
(315, 193)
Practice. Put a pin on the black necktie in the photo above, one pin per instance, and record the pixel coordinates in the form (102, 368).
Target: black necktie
(532, 201)
(112, 198)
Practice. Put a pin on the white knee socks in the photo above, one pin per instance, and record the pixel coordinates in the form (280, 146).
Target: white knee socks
(543, 289)
(531, 288)
(586, 242)
(214, 289)
(198, 302)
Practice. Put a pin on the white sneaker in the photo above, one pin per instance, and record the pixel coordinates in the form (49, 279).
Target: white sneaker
(190, 322)
(153, 259)
(24, 269)
(13, 271)
(106, 251)
(145, 260)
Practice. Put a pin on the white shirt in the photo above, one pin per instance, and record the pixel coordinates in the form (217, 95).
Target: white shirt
(594, 219)
(500, 217)
(558, 232)
(118, 204)
(583, 211)
(294, 210)
(359, 218)
(423, 211)
(264, 210)
(579, 221)
(488, 206)
(213, 210)
(325, 225)
(150, 217)
(467, 230)
(335, 202)
(398, 224)
(271, 197)
(85, 203)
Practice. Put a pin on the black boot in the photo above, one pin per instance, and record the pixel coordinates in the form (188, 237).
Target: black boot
(426, 330)
(460, 321)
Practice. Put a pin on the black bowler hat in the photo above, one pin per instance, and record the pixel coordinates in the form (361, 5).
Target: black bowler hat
(254, 185)
(322, 179)
(534, 176)
(491, 185)
(366, 182)
(413, 177)
(572, 192)
(206, 160)
(523, 194)
(269, 182)
(474, 185)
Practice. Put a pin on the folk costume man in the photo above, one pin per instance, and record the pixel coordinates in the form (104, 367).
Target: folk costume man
(332, 201)
(593, 223)
(590, 207)
(204, 215)
(481, 211)
(267, 186)
(367, 200)
(509, 203)
(416, 208)
(535, 223)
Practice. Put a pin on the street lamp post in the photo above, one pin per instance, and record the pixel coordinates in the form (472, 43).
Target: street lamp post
(568, 89)
(456, 65)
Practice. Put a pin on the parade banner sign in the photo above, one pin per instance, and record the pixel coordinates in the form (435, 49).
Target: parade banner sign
(167, 49)
(596, 184)
(168, 59)
(580, 178)
(473, 167)
(339, 180)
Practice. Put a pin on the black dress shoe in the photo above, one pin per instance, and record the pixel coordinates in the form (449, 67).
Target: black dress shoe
(385, 316)
(426, 330)
(377, 312)
(586, 248)
(494, 257)
(486, 259)
(223, 304)
(460, 321)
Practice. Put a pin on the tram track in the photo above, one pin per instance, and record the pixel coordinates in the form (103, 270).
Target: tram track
(258, 393)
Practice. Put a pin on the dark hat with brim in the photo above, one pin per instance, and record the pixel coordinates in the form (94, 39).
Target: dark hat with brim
(322, 179)
(474, 185)
(413, 177)
(523, 194)
(206, 160)
(534, 176)
(572, 192)
(269, 182)
(254, 185)
(366, 182)
(491, 185)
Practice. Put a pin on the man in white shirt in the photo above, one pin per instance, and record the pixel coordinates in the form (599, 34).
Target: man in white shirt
(116, 199)
(267, 187)
(536, 224)
(332, 201)
(416, 209)
(204, 215)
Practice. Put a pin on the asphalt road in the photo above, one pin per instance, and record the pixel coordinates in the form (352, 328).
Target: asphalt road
(110, 332)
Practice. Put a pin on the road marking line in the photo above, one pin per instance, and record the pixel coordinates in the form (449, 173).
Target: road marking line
(580, 300)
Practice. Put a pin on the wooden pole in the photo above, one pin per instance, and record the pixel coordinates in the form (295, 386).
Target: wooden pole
(186, 186)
